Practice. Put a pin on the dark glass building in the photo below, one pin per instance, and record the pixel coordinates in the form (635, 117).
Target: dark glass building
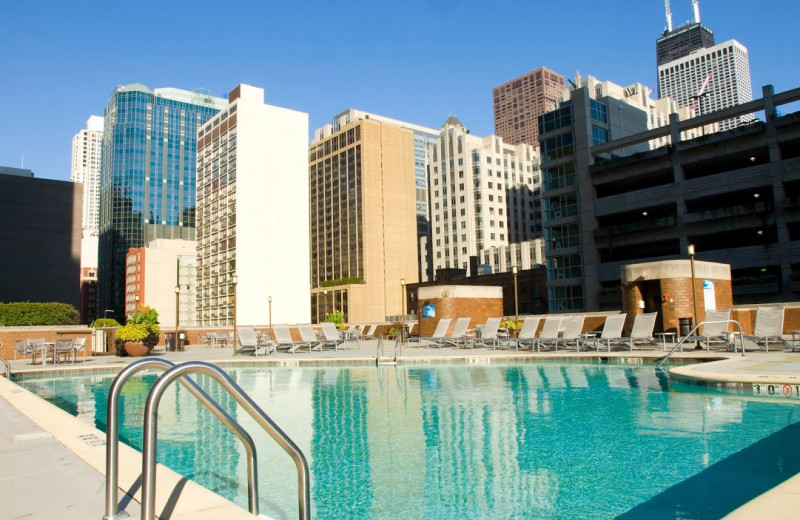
(682, 41)
(147, 179)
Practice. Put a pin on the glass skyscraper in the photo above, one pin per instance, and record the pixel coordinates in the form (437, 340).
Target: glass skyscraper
(147, 179)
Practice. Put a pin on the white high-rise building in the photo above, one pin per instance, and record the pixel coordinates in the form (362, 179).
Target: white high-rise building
(483, 193)
(86, 151)
(709, 79)
(252, 213)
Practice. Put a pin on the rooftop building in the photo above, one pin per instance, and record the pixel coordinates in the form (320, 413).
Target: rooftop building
(517, 104)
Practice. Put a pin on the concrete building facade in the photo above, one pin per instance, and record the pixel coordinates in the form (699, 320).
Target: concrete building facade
(363, 214)
(87, 147)
(151, 275)
(252, 213)
(483, 194)
(590, 114)
(733, 195)
(519, 102)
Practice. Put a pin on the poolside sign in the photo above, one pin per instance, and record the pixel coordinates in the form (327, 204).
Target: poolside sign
(777, 390)
(709, 298)
(429, 310)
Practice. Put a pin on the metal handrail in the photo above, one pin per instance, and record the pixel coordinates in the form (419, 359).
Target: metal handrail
(379, 349)
(689, 335)
(112, 434)
(149, 441)
(6, 363)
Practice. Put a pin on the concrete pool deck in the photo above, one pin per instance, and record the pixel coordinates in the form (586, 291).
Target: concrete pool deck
(54, 464)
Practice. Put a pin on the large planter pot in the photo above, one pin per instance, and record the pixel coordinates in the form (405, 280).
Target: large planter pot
(136, 349)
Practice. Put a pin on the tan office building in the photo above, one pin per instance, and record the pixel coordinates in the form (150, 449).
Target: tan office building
(363, 219)
(519, 102)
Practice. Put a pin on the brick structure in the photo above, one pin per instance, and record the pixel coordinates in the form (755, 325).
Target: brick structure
(457, 301)
(666, 287)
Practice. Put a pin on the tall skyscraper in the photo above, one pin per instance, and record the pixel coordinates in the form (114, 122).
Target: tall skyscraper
(252, 213)
(483, 193)
(147, 179)
(517, 104)
(363, 218)
(680, 42)
(696, 73)
(86, 153)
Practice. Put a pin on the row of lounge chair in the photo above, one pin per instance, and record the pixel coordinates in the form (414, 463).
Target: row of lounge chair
(566, 332)
(310, 339)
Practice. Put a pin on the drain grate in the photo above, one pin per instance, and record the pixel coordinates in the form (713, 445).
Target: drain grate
(92, 440)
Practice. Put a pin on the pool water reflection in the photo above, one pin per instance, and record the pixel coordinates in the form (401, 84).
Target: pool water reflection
(547, 440)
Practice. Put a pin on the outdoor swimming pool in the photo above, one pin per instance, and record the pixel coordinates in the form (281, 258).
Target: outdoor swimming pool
(546, 440)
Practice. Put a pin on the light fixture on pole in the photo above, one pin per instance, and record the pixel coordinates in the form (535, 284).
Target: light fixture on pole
(137, 302)
(269, 300)
(690, 250)
(235, 281)
(403, 311)
(177, 314)
(516, 300)
(325, 304)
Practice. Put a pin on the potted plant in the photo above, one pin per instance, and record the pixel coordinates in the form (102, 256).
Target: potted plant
(140, 334)
(336, 318)
(512, 325)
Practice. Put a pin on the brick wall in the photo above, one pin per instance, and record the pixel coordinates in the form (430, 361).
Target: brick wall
(479, 309)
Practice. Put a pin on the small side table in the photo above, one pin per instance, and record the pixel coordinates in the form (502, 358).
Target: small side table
(588, 338)
(795, 342)
(663, 336)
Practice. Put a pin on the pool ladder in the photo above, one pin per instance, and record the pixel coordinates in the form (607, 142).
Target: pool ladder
(149, 440)
(690, 334)
(380, 359)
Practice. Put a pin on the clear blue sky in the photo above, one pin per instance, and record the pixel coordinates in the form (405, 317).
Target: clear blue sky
(414, 60)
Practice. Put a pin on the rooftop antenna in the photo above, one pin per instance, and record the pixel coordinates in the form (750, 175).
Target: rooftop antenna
(669, 16)
(696, 7)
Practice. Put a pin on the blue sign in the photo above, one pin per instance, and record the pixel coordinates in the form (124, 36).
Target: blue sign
(429, 310)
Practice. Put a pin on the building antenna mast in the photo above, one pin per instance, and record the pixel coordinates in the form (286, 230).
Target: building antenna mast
(669, 16)
(696, 7)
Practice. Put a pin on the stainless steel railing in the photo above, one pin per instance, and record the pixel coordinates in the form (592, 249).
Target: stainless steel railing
(690, 335)
(112, 435)
(149, 442)
(379, 350)
(6, 363)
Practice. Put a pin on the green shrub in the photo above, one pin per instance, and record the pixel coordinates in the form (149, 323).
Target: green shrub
(105, 322)
(26, 314)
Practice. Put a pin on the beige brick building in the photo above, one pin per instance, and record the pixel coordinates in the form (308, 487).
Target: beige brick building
(362, 218)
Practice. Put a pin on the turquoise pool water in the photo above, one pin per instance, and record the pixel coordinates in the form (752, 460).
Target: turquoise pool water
(549, 440)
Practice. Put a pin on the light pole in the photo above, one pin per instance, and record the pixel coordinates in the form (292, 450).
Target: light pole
(325, 304)
(690, 250)
(235, 281)
(137, 302)
(177, 314)
(403, 311)
(269, 300)
(516, 304)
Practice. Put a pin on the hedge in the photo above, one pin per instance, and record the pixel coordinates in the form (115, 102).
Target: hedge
(22, 314)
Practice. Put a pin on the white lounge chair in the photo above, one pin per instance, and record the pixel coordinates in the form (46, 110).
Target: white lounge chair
(641, 331)
(331, 336)
(490, 333)
(549, 333)
(462, 335)
(612, 331)
(571, 329)
(527, 334)
(714, 329)
(769, 327)
(283, 339)
(249, 344)
(439, 334)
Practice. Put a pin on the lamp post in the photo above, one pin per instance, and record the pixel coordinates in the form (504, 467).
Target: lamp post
(235, 281)
(516, 300)
(690, 250)
(403, 311)
(177, 314)
(137, 303)
(269, 300)
(325, 304)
